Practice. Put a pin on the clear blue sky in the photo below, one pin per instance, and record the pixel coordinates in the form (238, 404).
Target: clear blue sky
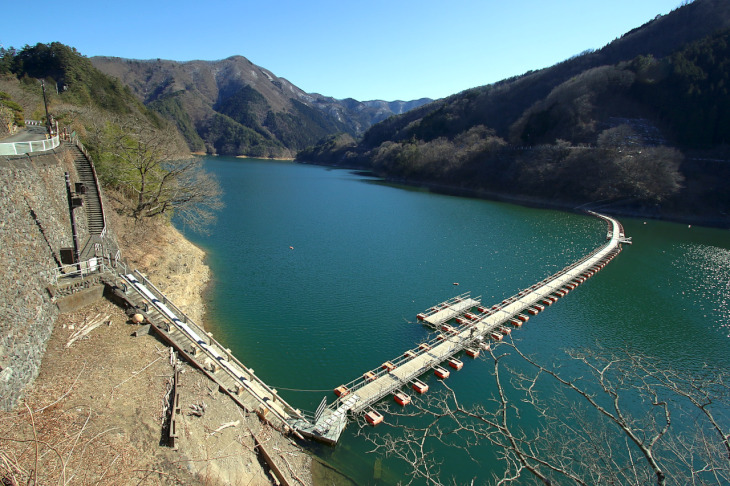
(395, 49)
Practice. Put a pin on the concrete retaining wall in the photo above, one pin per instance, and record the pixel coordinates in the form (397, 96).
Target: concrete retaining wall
(34, 226)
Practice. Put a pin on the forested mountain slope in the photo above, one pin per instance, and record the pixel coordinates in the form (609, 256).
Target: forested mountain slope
(234, 107)
(642, 122)
(70, 78)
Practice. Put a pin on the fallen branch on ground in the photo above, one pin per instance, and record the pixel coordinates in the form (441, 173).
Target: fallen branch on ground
(291, 471)
(86, 329)
(225, 426)
(197, 409)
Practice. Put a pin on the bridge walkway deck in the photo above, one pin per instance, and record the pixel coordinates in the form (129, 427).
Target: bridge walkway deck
(424, 358)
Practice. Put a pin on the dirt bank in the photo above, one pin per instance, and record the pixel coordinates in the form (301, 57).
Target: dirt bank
(171, 262)
(97, 412)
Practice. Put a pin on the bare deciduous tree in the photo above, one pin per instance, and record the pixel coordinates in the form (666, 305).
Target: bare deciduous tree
(604, 418)
(651, 173)
(156, 179)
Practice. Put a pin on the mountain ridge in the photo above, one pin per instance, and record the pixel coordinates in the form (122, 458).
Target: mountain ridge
(626, 124)
(658, 37)
(234, 107)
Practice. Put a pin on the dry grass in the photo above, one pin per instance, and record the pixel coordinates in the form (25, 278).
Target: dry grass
(94, 415)
(72, 429)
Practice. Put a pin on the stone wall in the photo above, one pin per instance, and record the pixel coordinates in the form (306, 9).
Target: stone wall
(34, 226)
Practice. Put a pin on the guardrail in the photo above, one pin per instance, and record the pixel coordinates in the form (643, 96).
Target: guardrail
(92, 265)
(19, 148)
(195, 327)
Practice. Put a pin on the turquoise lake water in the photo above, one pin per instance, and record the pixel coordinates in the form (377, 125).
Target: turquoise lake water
(318, 275)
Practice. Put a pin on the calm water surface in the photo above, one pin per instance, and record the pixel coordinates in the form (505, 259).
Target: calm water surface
(318, 274)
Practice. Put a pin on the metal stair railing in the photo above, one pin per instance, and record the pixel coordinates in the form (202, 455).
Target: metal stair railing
(74, 139)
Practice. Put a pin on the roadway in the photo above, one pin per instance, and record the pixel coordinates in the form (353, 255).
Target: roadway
(28, 134)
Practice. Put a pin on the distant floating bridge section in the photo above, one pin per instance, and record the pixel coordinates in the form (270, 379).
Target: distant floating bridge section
(465, 324)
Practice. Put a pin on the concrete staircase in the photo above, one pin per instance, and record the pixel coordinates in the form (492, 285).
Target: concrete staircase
(92, 200)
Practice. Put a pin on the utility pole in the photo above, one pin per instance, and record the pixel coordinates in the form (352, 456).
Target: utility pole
(48, 117)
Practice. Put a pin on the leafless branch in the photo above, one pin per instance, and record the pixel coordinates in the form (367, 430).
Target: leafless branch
(607, 418)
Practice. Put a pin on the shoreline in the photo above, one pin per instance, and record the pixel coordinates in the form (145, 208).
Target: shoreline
(534, 202)
(280, 159)
(319, 470)
(608, 208)
(124, 374)
(188, 279)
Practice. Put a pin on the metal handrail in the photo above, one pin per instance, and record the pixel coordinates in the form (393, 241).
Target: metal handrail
(360, 382)
(75, 140)
(189, 322)
(81, 269)
(184, 317)
(103, 264)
